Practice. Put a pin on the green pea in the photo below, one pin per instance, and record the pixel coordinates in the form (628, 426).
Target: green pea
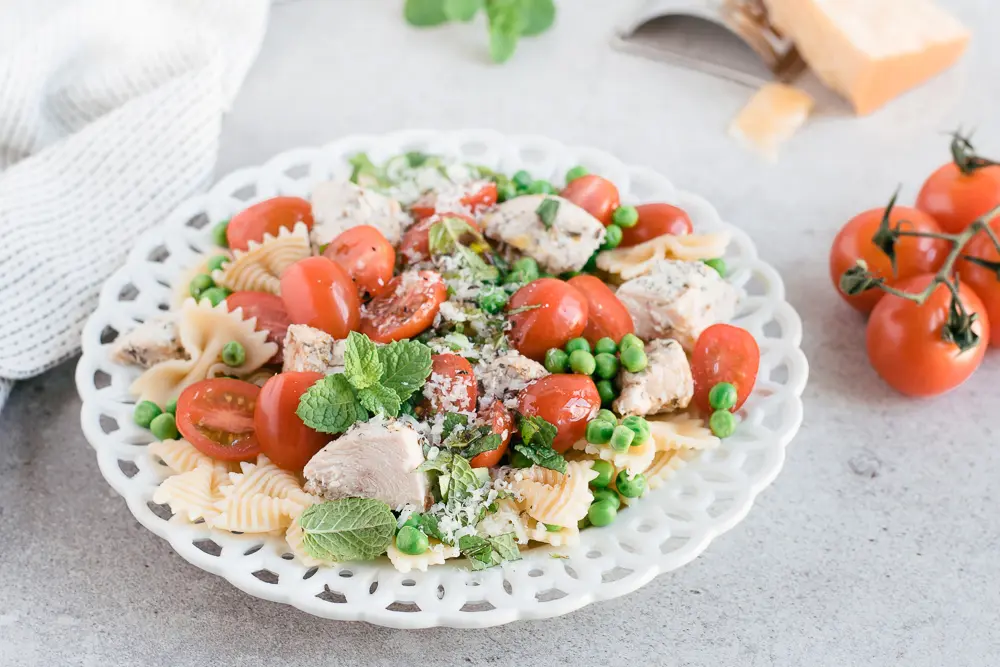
(722, 396)
(519, 460)
(556, 361)
(411, 541)
(722, 423)
(602, 513)
(521, 179)
(552, 528)
(199, 284)
(607, 495)
(145, 413)
(515, 278)
(215, 295)
(630, 340)
(216, 262)
(634, 359)
(233, 353)
(599, 432)
(605, 471)
(612, 237)
(621, 438)
(493, 300)
(607, 365)
(575, 173)
(413, 520)
(219, 234)
(605, 346)
(608, 416)
(541, 188)
(625, 216)
(171, 407)
(506, 191)
(630, 487)
(591, 264)
(718, 264)
(527, 266)
(606, 391)
(582, 362)
(639, 426)
(577, 344)
(164, 427)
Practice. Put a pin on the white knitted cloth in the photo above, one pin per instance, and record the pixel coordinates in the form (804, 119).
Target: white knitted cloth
(109, 116)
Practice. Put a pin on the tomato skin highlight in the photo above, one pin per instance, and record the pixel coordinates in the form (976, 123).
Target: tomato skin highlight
(269, 310)
(606, 315)
(267, 217)
(367, 257)
(561, 315)
(283, 437)
(594, 194)
(955, 200)
(502, 423)
(217, 417)
(319, 292)
(914, 255)
(905, 346)
(724, 353)
(566, 401)
(450, 373)
(656, 220)
(981, 280)
(407, 308)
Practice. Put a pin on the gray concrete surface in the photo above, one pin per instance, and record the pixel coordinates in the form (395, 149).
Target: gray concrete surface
(879, 544)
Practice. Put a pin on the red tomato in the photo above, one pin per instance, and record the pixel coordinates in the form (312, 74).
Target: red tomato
(905, 345)
(982, 280)
(566, 401)
(270, 313)
(561, 314)
(408, 307)
(267, 217)
(656, 220)
(367, 257)
(451, 386)
(598, 196)
(724, 353)
(319, 292)
(914, 255)
(216, 417)
(283, 437)
(478, 196)
(606, 316)
(500, 419)
(415, 246)
(955, 199)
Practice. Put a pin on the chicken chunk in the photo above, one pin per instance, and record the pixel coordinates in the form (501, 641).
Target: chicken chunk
(503, 377)
(374, 459)
(565, 244)
(677, 300)
(309, 349)
(339, 205)
(151, 342)
(663, 386)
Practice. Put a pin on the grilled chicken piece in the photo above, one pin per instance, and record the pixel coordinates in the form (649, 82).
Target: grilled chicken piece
(340, 205)
(149, 343)
(504, 377)
(664, 385)
(309, 349)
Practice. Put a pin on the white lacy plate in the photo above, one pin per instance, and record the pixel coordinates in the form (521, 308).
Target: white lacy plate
(665, 530)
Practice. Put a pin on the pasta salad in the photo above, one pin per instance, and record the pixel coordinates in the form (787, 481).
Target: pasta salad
(431, 360)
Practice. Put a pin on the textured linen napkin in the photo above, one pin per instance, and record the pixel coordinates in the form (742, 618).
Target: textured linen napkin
(109, 117)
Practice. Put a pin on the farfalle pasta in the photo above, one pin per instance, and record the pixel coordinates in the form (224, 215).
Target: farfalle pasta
(259, 267)
(681, 431)
(191, 495)
(637, 260)
(552, 497)
(436, 554)
(635, 459)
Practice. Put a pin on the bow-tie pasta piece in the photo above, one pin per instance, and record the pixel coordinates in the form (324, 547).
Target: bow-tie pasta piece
(552, 497)
(638, 260)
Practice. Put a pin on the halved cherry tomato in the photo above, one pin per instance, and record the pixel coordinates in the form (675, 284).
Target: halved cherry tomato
(267, 217)
(560, 313)
(319, 292)
(955, 199)
(724, 353)
(566, 401)
(606, 316)
(367, 257)
(270, 313)
(598, 196)
(478, 196)
(914, 255)
(905, 343)
(216, 417)
(983, 281)
(656, 220)
(415, 246)
(451, 386)
(408, 307)
(502, 423)
(283, 437)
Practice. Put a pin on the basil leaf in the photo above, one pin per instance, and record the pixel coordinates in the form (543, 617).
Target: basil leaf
(350, 529)
(461, 10)
(547, 211)
(424, 13)
(539, 15)
(330, 405)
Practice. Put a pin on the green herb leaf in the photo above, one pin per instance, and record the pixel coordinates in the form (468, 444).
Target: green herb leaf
(380, 400)
(506, 23)
(547, 211)
(539, 15)
(351, 529)
(445, 238)
(463, 481)
(536, 431)
(363, 171)
(485, 441)
(425, 13)
(330, 405)
(546, 457)
(441, 463)
(416, 159)
(429, 525)
(486, 552)
(453, 420)
(405, 367)
(461, 10)
(362, 366)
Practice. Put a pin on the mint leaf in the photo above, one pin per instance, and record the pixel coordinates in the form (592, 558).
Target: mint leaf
(350, 529)
(363, 171)
(536, 431)
(445, 238)
(424, 12)
(330, 406)
(380, 400)
(547, 211)
(361, 361)
(505, 546)
(506, 23)
(441, 464)
(486, 552)
(539, 15)
(546, 457)
(461, 10)
(485, 441)
(428, 524)
(452, 420)
(463, 481)
(405, 367)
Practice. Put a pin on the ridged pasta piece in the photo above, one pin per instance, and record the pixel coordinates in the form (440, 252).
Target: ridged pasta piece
(191, 495)
(664, 465)
(203, 330)
(437, 554)
(681, 431)
(634, 459)
(264, 477)
(253, 514)
(179, 455)
(637, 260)
(180, 291)
(507, 519)
(551, 497)
(259, 267)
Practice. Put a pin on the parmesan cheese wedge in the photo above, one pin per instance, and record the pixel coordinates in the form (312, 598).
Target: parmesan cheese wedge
(871, 51)
(772, 116)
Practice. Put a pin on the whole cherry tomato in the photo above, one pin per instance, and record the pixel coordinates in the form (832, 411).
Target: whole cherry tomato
(269, 310)
(724, 353)
(914, 255)
(566, 401)
(656, 220)
(367, 257)
(598, 196)
(283, 437)
(267, 217)
(478, 196)
(407, 307)
(906, 344)
(502, 423)
(216, 417)
(319, 292)
(558, 313)
(606, 316)
(451, 386)
(962, 190)
(984, 281)
(415, 246)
